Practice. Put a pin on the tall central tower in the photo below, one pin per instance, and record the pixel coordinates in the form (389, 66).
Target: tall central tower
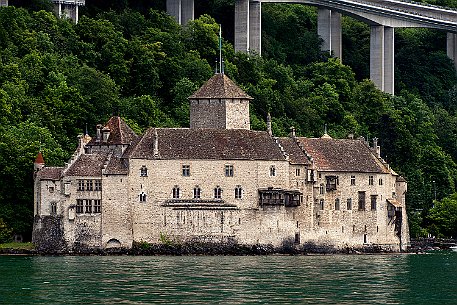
(219, 104)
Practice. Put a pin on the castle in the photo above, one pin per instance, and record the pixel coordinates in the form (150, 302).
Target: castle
(217, 181)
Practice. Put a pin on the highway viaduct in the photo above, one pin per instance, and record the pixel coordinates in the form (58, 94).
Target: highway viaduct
(383, 16)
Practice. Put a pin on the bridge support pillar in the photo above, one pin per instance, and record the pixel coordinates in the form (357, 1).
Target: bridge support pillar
(248, 26)
(182, 10)
(329, 29)
(382, 58)
(452, 47)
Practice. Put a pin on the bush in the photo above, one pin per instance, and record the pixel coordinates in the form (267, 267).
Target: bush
(5, 232)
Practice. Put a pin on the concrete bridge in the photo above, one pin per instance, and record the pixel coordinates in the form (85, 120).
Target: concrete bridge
(382, 15)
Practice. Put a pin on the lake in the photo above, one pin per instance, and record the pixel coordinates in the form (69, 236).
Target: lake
(333, 279)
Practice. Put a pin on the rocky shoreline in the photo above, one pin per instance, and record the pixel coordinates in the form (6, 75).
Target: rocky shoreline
(199, 248)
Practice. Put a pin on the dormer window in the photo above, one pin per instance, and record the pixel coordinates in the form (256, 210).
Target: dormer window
(144, 171)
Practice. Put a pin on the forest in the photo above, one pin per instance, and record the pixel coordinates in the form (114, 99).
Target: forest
(131, 59)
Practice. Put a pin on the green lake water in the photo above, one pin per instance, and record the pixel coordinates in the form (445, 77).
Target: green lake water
(333, 279)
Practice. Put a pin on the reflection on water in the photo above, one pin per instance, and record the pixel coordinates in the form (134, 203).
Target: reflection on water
(336, 279)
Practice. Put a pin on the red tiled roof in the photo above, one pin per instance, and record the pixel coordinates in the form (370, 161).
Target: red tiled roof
(342, 155)
(296, 155)
(219, 86)
(120, 133)
(213, 144)
(50, 173)
(88, 165)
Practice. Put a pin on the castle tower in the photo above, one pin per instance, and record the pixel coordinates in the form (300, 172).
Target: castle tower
(219, 104)
(39, 163)
(3, 3)
(68, 8)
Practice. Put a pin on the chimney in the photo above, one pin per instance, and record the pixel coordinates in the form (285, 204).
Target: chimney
(105, 134)
(156, 143)
(269, 124)
(99, 131)
(376, 148)
(292, 132)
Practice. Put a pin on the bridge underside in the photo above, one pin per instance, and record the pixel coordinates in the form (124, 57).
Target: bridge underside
(382, 15)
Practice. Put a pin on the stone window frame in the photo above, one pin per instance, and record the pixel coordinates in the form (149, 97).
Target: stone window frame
(97, 206)
(98, 185)
(142, 197)
(175, 192)
(321, 204)
(197, 192)
(370, 180)
(380, 181)
(297, 172)
(349, 204)
(88, 206)
(218, 192)
(81, 185)
(272, 170)
(352, 180)
(185, 170)
(143, 171)
(337, 204)
(229, 170)
(53, 208)
(79, 206)
(238, 192)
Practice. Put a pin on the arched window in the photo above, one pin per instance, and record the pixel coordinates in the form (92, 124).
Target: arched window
(142, 197)
(176, 192)
(197, 192)
(272, 171)
(54, 208)
(144, 171)
(217, 193)
(238, 192)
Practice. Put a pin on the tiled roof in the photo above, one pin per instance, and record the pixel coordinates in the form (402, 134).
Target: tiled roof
(116, 167)
(39, 158)
(50, 173)
(88, 165)
(219, 86)
(213, 144)
(342, 155)
(296, 155)
(120, 133)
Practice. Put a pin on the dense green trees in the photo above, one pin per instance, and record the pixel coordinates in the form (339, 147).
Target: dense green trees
(124, 58)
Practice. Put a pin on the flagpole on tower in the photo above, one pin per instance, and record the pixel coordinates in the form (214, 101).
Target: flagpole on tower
(220, 49)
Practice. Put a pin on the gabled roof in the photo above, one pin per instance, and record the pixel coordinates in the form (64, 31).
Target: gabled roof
(342, 155)
(296, 155)
(116, 166)
(50, 173)
(219, 87)
(120, 133)
(88, 165)
(212, 144)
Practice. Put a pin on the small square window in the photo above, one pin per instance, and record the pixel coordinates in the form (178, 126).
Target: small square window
(228, 170)
(144, 171)
(186, 170)
(51, 189)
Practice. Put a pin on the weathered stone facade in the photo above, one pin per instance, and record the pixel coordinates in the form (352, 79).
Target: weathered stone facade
(218, 181)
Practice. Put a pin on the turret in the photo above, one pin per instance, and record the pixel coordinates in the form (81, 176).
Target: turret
(39, 163)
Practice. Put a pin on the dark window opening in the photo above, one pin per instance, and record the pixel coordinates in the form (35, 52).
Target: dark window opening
(332, 182)
(361, 201)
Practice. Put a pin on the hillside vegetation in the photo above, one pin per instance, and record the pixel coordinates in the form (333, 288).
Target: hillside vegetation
(57, 78)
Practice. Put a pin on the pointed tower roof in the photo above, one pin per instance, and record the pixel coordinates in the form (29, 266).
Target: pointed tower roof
(39, 159)
(220, 86)
(119, 132)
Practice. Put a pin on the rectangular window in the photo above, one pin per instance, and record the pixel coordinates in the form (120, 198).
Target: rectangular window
(97, 206)
(310, 175)
(217, 193)
(197, 193)
(370, 180)
(89, 185)
(321, 204)
(361, 201)
(229, 171)
(176, 192)
(88, 206)
(321, 189)
(337, 204)
(238, 192)
(380, 181)
(297, 172)
(53, 208)
(98, 185)
(373, 202)
(331, 183)
(80, 185)
(352, 180)
(349, 204)
(79, 206)
(186, 170)
(51, 189)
